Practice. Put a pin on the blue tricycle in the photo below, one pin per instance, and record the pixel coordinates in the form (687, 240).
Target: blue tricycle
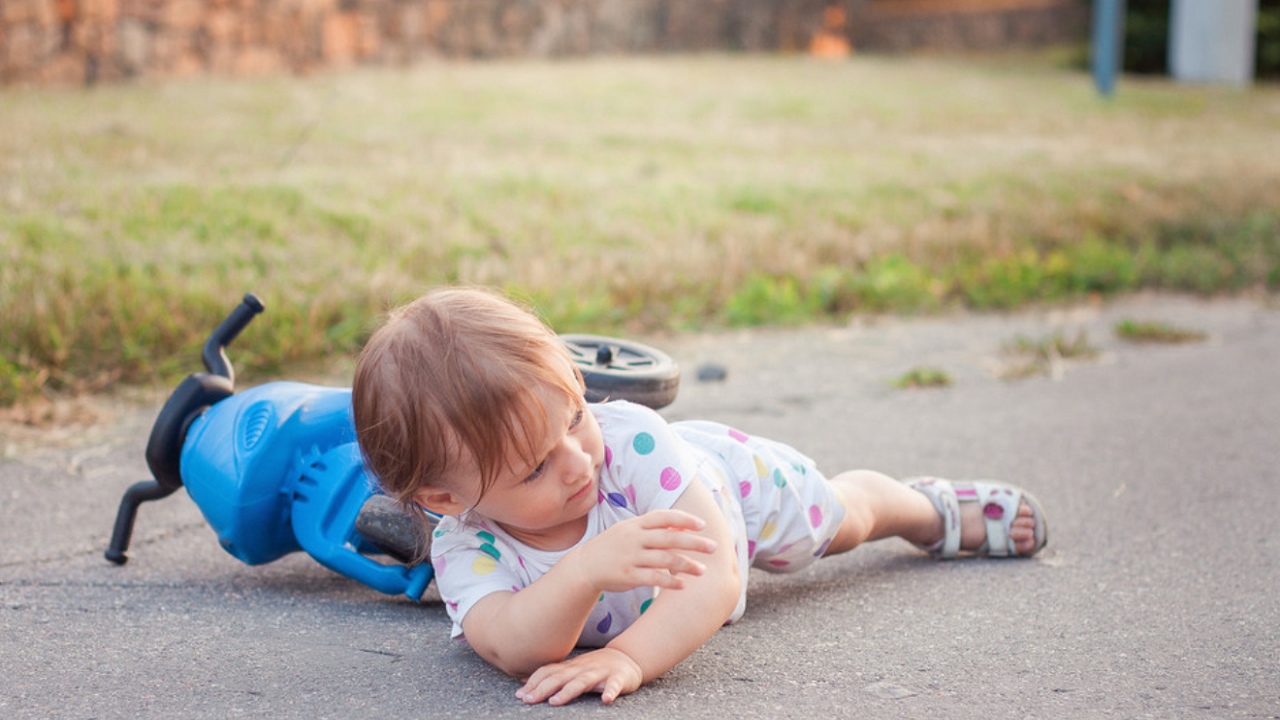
(276, 469)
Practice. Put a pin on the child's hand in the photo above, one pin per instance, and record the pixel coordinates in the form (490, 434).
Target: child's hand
(607, 671)
(652, 549)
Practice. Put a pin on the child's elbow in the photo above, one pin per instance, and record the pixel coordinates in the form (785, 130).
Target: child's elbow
(727, 590)
(517, 665)
(515, 656)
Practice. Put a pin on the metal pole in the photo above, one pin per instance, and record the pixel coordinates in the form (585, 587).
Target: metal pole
(1107, 44)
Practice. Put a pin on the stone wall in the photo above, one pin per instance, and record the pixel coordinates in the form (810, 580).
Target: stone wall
(89, 41)
(914, 25)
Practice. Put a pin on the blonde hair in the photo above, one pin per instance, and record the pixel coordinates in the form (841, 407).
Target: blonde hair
(449, 376)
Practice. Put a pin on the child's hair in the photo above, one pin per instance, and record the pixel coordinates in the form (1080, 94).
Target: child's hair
(450, 377)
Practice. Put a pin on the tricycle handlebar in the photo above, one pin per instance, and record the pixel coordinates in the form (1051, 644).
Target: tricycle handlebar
(191, 398)
(214, 355)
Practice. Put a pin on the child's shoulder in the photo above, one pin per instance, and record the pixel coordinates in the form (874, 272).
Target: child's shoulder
(625, 414)
(621, 408)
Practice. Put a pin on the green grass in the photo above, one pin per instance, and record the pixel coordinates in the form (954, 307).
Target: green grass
(618, 195)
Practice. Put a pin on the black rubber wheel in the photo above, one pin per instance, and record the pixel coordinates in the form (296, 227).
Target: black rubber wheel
(616, 369)
(391, 529)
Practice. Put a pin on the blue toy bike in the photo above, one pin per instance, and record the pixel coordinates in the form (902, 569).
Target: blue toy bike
(276, 469)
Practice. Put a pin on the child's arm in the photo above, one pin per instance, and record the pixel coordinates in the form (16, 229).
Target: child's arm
(520, 632)
(679, 621)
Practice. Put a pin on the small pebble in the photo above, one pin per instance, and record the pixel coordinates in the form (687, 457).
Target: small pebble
(711, 372)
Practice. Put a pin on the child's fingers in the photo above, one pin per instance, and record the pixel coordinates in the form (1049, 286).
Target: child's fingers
(674, 519)
(672, 562)
(569, 691)
(663, 575)
(678, 540)
(675, 529)
(666, 579)
(606, 671)
(613, 687)
(559, 683)
(540, 685)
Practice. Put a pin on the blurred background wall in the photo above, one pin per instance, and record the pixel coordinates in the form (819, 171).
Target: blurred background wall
(91, 41)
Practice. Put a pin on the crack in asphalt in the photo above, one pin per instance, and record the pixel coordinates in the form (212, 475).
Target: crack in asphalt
(151, 539)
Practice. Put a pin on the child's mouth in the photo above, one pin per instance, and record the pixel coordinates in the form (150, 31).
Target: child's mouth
(583, 492)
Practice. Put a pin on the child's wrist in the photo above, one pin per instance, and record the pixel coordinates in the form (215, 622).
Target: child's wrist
(578, 574)
(635, 664)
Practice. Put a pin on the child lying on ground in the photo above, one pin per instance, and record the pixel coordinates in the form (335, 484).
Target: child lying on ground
(574, 525)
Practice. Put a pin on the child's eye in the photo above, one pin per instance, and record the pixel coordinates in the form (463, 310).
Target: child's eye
(577, 419)
(536, 472)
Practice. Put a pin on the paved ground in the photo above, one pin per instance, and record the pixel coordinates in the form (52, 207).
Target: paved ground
(1157, 596)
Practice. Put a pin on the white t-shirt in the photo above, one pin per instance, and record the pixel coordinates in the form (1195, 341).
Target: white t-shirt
(789, 512)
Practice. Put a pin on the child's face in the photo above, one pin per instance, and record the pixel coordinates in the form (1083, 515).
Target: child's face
(545, 504)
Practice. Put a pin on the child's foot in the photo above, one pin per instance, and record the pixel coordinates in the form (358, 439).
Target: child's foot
(984, 518)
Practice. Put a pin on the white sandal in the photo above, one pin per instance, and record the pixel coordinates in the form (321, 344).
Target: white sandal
(999, 507)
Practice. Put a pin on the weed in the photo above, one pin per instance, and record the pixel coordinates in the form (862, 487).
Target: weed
(923, 377)
(1046, 356)
(1156, 332)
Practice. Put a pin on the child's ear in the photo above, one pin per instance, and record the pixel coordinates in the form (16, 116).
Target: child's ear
(440, 502)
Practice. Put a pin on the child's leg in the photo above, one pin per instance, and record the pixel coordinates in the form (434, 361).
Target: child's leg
(877, 507)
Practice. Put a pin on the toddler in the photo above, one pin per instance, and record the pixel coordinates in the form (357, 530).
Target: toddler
(567, 524)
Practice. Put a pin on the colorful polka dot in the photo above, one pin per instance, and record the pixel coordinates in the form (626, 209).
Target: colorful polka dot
(484, 565)
(823, 550)
(670, 479)
(744, 488)
(768, 530)
(778, 478)
(779, 563)
(603, 626)
(618, 499)
(645, 605)
(737, 435)
(751, 549)
(630, 490)
(643, 443)
(608, 456)
(491, 551)
(815, 515)
(762, 470)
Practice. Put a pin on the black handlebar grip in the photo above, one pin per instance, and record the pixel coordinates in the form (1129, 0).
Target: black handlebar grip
(137, 494)
(214, 357)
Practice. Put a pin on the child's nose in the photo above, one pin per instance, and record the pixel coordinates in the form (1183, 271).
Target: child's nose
(577, 461)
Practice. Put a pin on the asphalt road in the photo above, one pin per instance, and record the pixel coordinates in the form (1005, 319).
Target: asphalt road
(1157, 596)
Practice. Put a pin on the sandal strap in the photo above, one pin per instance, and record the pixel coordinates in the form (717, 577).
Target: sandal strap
(943, 496)
(999, 502)
(999, 508)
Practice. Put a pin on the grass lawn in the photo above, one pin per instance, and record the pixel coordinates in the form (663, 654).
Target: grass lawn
(616, 194)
